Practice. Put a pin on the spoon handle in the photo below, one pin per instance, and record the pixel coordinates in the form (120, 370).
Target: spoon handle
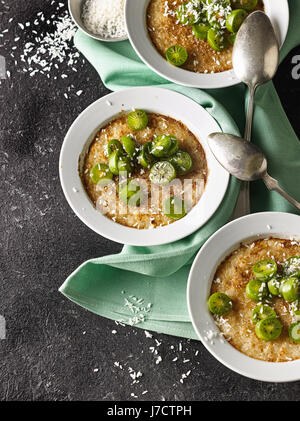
(242, 206)
(272, 184)
(250, 111)
(243, 203)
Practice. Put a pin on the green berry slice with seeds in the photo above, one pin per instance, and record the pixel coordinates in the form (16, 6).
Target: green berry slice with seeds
(114, 145)
(290, 289)
(161, 146)
(145, 158)
(101, 174)
(248, 5)
(216, 40)
(265, 269)
(291, 267)
(219, 304)
(131, 193)
(129, 145)
(137, 120)
(162, 173)
(294, 332)
(274, 285)
(268, 329)
(174, 207)
(262, 311)
(257, 290)
(176, 55)
(200, 31)
(235, 20)
(182, 162)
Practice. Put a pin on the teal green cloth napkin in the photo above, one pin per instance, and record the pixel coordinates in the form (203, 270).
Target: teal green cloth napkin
(146, 286)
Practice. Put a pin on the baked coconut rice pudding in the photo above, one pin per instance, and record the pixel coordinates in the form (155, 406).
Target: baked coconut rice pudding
(144, 170)
(255, 299)
(197, 35)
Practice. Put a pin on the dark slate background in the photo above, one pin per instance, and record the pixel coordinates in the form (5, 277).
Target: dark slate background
(46, 355)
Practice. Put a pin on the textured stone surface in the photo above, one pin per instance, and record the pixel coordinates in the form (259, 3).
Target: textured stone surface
(47, 355)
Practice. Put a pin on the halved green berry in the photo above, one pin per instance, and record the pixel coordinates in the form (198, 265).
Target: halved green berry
(145, 158)
(274, 285)
(231, 38)
(290, 289)
(294, 332)
(100, 174)
(125, 164)
(182, 162)
(114, 145)
(122, 183)
(174, 145)
(219, 303)
(235, 20)
(297, 315)
(131, 193)
(174, 207)
(176, 55)
(262, 311)
(216, 40)
(129, 145)
(257, 290)
(120, 163)
(137, 120)
(187, 14)
(162, 172)
(161, 145)
(291, 267)
(200, 31)
(164, 146)
(215, 19)
(265, 269)
(113, 162)
(268, 329)
(248, 5)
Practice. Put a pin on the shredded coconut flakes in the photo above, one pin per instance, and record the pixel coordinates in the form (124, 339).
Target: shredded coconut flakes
(105, 18)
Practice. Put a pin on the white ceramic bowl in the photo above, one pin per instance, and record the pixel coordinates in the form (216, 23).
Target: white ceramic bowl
(135, 15)
(75, 9)
(161, 101)
(219, 246)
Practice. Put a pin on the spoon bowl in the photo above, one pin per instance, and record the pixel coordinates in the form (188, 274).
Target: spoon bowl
(255, 60)
(238, 156)
(255, 53)
(245, 161)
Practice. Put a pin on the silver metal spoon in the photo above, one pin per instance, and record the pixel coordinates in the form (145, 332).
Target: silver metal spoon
(245, 161)
(255, 59)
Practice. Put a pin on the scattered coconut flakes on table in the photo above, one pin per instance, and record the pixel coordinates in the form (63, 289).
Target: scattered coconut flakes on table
(184, 376)
(46, 43)
(148, 334)
(133, 395)
(136, 376)
(138, 308)
(158, 360)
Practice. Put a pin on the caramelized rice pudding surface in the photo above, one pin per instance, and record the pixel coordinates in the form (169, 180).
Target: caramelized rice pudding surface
(165, 32)
(144, 216)
(231, 278)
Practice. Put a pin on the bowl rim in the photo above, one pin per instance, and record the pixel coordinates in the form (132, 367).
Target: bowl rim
(151, 99)
(138, 35)
(244, 229)
(80, 26)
